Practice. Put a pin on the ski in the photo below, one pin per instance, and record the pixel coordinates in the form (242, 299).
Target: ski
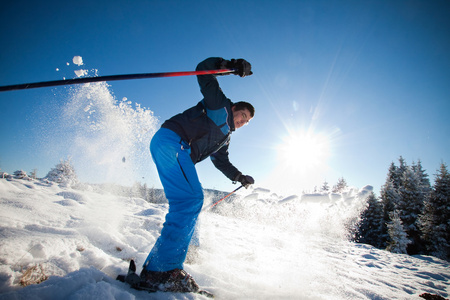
(135, 281)
(205, 293)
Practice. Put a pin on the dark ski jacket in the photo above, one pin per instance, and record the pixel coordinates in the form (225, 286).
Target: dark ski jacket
(207, 126)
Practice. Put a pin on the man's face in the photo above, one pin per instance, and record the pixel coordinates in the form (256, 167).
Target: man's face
(241, 117)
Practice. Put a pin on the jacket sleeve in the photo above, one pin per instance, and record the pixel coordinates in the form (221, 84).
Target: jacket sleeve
(221, 162)
(213, 97)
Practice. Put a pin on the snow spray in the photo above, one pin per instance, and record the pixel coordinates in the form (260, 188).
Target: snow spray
(326, 214)
(106, 138)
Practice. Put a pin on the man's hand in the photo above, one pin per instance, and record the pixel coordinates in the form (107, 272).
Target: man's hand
(241, 66)
(245, 180)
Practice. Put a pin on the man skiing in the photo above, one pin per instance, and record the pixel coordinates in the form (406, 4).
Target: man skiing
(182, 141)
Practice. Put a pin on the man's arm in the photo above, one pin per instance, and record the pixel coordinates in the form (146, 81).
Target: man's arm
(214, 98)
(221, 162)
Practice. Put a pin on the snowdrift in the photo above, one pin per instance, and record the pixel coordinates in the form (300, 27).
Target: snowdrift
(258, 245)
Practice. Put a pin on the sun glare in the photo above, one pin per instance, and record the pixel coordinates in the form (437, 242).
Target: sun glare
(304, 151)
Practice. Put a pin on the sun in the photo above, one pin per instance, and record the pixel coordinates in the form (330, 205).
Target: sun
(303, 157)
(304, 150)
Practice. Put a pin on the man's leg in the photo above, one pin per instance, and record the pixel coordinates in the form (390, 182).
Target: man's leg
(184, 192)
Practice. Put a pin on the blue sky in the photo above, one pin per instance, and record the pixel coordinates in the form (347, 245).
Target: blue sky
(341, 88)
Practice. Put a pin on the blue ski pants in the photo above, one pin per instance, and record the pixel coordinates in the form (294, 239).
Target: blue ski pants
(185, 195)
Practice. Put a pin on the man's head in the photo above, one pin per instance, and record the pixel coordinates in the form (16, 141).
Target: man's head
(243, 112)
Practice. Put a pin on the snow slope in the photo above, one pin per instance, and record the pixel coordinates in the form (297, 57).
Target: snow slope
(259, 246)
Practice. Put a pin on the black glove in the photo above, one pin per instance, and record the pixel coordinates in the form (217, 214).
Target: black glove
(245, 180)
(241, 66)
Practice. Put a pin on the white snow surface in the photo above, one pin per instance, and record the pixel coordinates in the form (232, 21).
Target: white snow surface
(257, 246)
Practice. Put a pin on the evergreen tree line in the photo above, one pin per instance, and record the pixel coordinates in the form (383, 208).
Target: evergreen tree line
(410, 216)
(339, 187)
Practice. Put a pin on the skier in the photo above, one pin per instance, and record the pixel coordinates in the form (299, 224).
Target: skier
(182, 141)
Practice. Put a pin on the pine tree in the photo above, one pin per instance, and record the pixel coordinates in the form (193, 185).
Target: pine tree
(398, 237)
(20, 174)
(434, 221)
(33, 174)
(392, 176)
(136, 190)
(152, 195)
(144, 192)
(340, 186)
(63, 173)
(410, 207)
(401, 169)
(370, 227)
(389, 199)
(424, 182)
(395, 173)
(325, 187)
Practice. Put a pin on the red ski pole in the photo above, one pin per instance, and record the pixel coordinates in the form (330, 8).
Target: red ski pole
(25, 86)
(217, 202)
